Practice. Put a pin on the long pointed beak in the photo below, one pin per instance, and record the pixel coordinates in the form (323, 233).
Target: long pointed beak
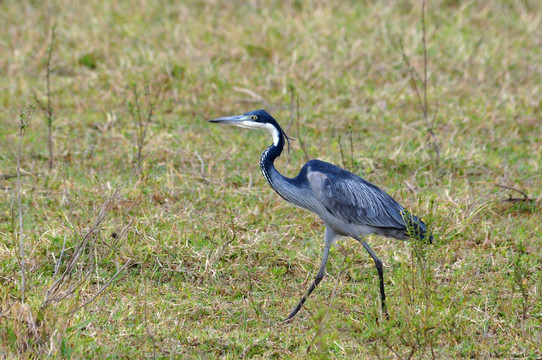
(233, 120)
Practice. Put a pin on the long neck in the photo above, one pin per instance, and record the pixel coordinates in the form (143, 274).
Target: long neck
(273, 177)
(287, 188)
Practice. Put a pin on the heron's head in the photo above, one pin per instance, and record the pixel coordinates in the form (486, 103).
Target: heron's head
(258, 119)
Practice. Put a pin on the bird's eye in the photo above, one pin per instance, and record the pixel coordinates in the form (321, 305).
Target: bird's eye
(253, 117)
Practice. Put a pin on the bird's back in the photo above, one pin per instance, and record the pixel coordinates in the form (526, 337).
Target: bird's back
(354, 206)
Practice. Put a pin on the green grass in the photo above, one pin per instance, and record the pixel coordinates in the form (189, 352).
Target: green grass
(214, 258)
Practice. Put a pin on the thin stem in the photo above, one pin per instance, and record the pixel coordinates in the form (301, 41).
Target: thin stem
(342, 152)
(49, 104)
(142, 124)
(101, 289)
(24, 120)
(422, 95)
(351, 148)
(424, 42)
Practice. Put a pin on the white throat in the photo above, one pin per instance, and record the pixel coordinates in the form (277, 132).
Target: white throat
(266, 126)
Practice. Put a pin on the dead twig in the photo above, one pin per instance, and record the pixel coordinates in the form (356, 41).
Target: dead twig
(11, 176)
(101, 289)
(48, 109)
(294, 115)
(255, 97)
(59, 261)
(525, 197)
(202, 167)
(63, 286)
(342, 152)
(49, 105)
(430, 125)
(345, 165)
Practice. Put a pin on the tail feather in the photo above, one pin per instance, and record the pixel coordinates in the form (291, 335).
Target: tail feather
(416, 227)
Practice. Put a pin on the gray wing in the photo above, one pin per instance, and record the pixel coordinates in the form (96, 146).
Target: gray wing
(355, 200)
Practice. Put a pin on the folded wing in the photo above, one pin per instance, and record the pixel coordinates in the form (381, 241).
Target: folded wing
(355, 200)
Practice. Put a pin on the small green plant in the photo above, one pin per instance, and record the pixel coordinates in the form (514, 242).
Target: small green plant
(142, 117)
(521, 276)
(89, 60)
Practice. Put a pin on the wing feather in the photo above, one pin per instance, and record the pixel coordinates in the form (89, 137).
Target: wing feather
(355, 200)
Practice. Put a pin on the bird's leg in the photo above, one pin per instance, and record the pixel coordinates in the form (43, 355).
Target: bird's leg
(319, 277)
(380, 271)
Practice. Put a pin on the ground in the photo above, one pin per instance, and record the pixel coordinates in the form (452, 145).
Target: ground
(185, 251)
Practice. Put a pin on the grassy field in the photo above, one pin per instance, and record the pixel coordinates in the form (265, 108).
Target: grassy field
(188, 253)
